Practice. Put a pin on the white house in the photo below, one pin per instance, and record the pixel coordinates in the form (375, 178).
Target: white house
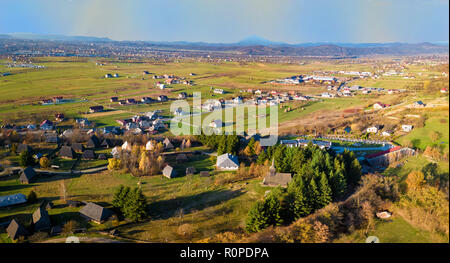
(407, 128)
(126, 146)
(373, 129)
(227, 161)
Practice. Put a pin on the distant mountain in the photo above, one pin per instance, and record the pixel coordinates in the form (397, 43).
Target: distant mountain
(255, 45)
(32, 36)
(256, 41)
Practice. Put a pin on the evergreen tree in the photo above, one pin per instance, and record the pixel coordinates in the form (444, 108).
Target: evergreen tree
(264, 213)
(120, 197)
(135, 205)
(297, 204)
(325, 191)
(313, 195)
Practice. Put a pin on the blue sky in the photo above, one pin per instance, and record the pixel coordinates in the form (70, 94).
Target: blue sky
(226, 21)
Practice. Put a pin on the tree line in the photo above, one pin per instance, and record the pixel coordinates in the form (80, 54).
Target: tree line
(319, 178)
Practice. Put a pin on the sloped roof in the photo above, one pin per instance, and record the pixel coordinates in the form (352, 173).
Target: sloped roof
(96, 212)
(88, 154)
(168, 171)
(12, 200)
(167, 143)
(27, 175)
(227, 160)
(78, 147)
(67, 152)
(107, 143)
(93, 142)
(15, 230)
(41, 219)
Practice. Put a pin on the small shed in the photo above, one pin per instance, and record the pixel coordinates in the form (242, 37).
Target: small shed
(16, 230)
(88, 155)
(107, 143)
(93, 142)
(27, 175)
(66, 152)
(169, 172)
(95, 212)
(24, 147)
(41, 220)
(168, 144)
(78, 147)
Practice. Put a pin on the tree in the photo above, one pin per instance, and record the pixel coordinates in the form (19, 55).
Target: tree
(120, 197)
(135, 205)
(296, 200)
(44, 162)
(188, 144)
(114, 164)
(26, 159)
(32, 197)
(313, 195)
(415, 180)
(324, 190)
(264, 213)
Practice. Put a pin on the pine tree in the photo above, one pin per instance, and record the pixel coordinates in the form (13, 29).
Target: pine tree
(297, 199)
(256, 218)
(120, 197)
(313, 195)
(135, 205)
(324, 190)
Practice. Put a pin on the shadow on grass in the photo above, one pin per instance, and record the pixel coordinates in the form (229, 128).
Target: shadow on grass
(168, 208)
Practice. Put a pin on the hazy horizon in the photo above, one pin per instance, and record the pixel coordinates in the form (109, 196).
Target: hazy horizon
(287, 21)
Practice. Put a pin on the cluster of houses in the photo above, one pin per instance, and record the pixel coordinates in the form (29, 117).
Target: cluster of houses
(171, 79)
(305, 143)
(297, 79)
(376, 129)
(52, 101)
(143, 100)
(151, 122)
(41, 220)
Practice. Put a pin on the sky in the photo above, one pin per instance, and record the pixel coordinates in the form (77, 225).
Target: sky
(229, 21)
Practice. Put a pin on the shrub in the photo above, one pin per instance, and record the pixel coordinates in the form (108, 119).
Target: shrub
(32, 197)
(44, 162)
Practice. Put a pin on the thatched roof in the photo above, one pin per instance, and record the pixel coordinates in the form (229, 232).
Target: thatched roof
(96, 212)
(108, 143)
(102, 156)
(16, 230)
(169, 172)
(88, 155)
(41, 220)
(93, 142)
(27, 175)
(67, 152)
(78, 147)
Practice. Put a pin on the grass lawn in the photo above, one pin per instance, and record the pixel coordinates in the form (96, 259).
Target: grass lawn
(395, 230)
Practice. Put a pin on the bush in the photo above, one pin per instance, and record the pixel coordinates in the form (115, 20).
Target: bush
(32, 197)
(44, 162)
(70, 227)
(26, 159)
